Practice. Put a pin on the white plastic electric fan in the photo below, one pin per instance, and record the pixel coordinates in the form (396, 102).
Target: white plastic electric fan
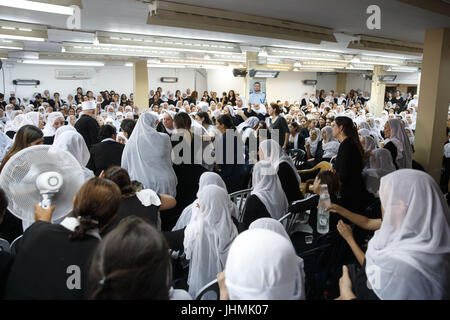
(42, 175)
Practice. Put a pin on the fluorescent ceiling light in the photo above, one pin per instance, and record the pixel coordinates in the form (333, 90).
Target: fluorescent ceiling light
(297, 64)
(9, 36)
(66, 63)
(37, 6)
(404, 69)
(129, 64)
(264, 73)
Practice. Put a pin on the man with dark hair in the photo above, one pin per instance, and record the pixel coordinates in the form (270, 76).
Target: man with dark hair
(127, 127)
(106, 153)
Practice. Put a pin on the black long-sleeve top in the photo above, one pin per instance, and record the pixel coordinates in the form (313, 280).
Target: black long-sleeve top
(349, 166)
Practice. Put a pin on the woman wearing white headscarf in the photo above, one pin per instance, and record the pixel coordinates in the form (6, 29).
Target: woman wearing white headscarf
(380, 162)
(262, 265)
(397, 142)
(312, 143)
(62, 129)
(330, 145)
(54, 121)
(206, 179)
(276, 226)
(147, 157)
(409, 257)
(267, 198)
(208, 237)
(5, 143)
(287, 173)
(71, 120)
(74, 143)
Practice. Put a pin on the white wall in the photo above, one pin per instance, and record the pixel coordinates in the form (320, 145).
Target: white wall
(356, 81)
(117, 78)
(220, 80)
(186, 79)
(326, 81)
(289, 86)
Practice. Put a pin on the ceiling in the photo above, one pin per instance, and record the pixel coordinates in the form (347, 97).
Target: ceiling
(347, 18)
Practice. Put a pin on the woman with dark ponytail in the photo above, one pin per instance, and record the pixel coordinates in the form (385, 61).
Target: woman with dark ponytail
(52, 260)
(145, 204)
(349, 165)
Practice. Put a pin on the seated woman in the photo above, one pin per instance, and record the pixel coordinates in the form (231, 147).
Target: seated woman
(397, 142)
(330, 145)
(296, 139)
(132, 263)
(27, 136)
(287, 173)
(54, 121)
(52, 260)
(207, 179)
(380, 165)
(261, 265)
(400, 264)
(74, 143)
(144, 204)
(267, 198)
(276, 226)
(314, 151)
(207, 238)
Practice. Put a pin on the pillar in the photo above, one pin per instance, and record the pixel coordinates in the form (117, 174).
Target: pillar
(377, 93)
(341, 83)
(140, 84)
(434, 98)
(251, 63)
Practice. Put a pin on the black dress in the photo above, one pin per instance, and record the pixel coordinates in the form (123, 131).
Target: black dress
(289, 182)
(42, 267)
(105, 154)
(281, 125)
(360, 284)
(132, 206)
(349, 166)
(254, 210)
(6, 260)
(49, 140)
(393, 150)
(88, 128)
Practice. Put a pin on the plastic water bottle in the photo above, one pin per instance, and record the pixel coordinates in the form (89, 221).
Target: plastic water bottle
(323, 216)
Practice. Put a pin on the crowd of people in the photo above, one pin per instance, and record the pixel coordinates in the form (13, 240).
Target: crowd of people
(157, 186)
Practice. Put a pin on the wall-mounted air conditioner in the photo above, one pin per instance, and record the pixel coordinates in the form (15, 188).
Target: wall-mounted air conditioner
(309, 82)
(73, 74)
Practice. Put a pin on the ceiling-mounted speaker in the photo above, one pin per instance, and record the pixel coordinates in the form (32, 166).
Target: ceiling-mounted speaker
(367, 76)
(239, 72)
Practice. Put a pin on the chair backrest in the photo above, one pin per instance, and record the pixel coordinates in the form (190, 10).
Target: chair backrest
(323, 166)
(213, 286)
(5, 246)
(298, 156)
(240, 199)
